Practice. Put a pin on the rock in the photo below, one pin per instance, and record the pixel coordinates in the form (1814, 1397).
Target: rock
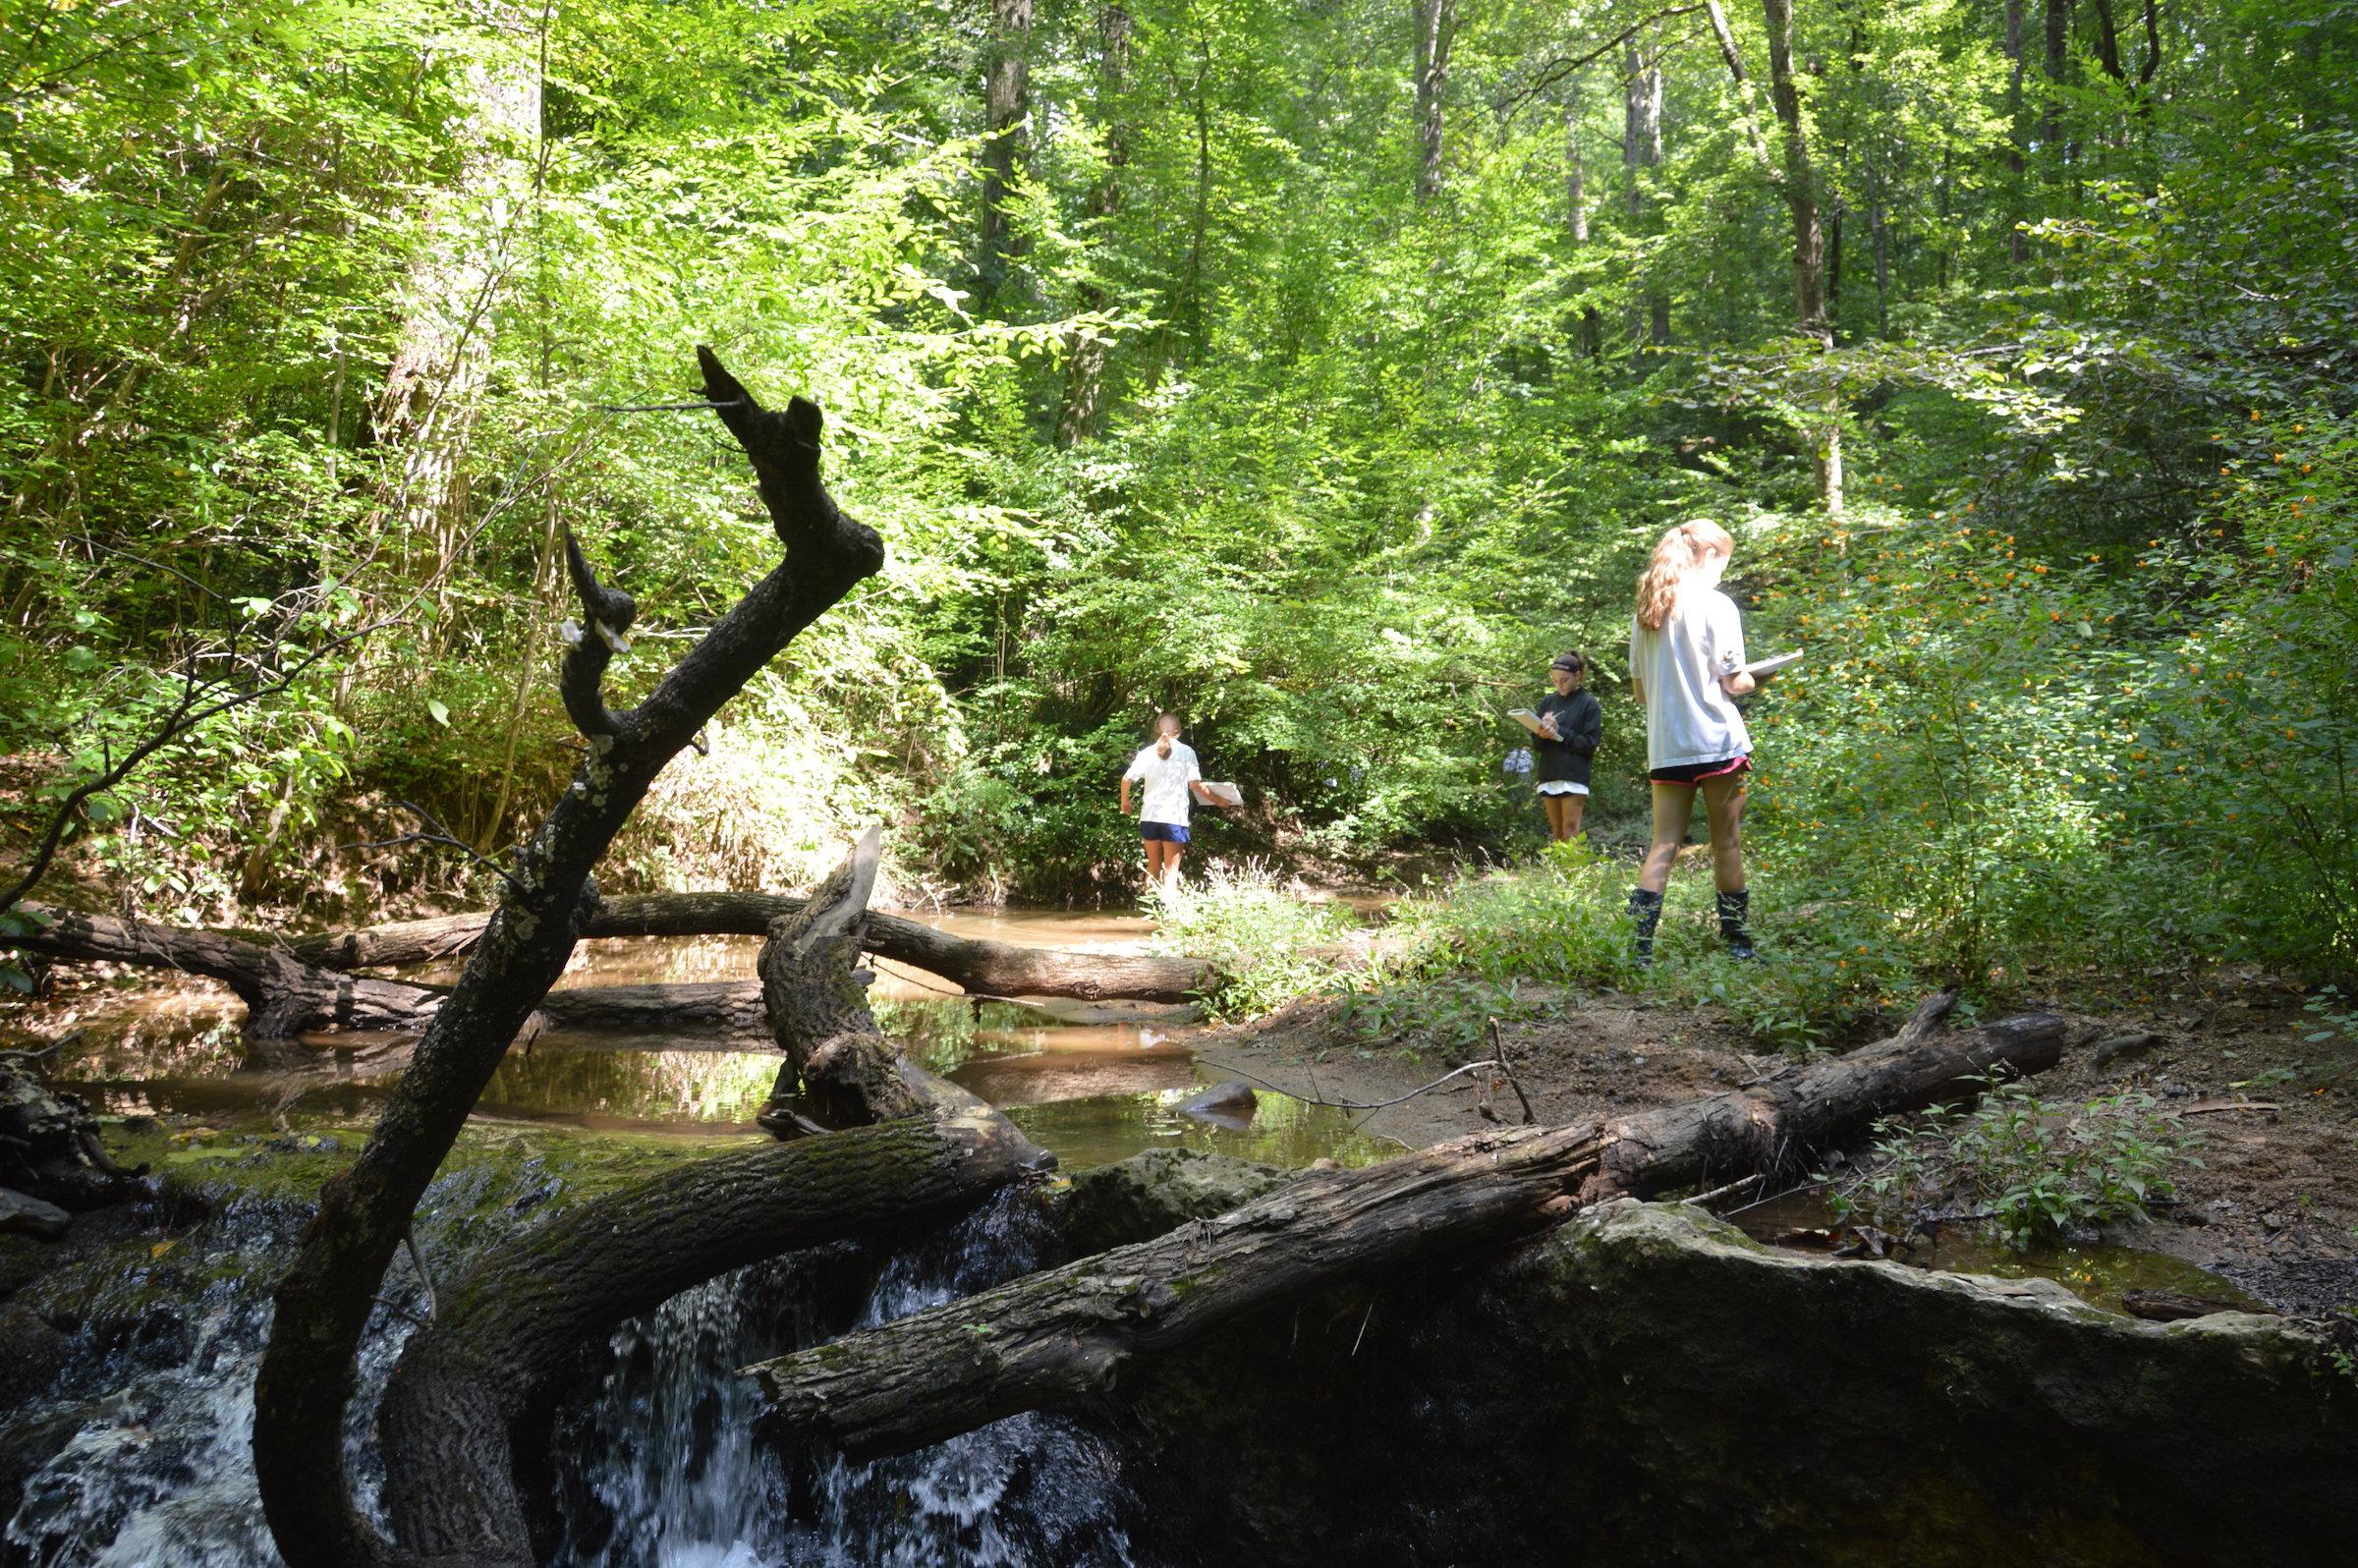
(1149, 1195)
(20, 1215)
(1232, 1103)
(2129, 1044)
(31, 1354)
(1667, 1390)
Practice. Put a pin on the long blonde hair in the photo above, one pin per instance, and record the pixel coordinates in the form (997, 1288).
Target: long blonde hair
(1676, 555)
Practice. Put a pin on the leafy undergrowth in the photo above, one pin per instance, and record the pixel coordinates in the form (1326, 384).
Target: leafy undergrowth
(2035, 1172)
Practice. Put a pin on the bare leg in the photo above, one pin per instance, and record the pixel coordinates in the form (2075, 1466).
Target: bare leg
(1170, 862)
(1554, 805)
(1154, 849)
(1575, 808)
(1724, 809)
(1673, 804)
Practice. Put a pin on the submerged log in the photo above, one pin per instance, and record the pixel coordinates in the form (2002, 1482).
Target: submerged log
(982, 967)
(1068, 1332)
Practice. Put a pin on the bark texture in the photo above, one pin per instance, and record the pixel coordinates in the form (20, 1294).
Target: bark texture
(295, 986)
(1090, 347)
(1068, 1332)
(1006, 102)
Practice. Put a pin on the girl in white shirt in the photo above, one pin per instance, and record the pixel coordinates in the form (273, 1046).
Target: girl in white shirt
(1167, 776)
(1686, 664)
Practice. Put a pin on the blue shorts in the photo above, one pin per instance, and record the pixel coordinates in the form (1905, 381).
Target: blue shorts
(1164, 832)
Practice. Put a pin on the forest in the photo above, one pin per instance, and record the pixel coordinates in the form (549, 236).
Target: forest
(578, 579)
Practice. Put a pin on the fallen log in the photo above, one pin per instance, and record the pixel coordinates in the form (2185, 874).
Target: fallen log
(1068, 1332)
(286, 995)
(471, 1382)
(981, 967)
(283, 994)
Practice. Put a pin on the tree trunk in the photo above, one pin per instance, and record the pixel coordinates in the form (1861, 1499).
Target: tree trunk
(434, 388)
(1800, 188)
(1576, 214)
(283, 996)
(2017, 242)
(1085, 369)
(1734, 58)
(323, 1304)
(1069, 1331)
(512, 1326)
(1642, 150)
(2050, 120)
(1437, 30)
(1006, 101)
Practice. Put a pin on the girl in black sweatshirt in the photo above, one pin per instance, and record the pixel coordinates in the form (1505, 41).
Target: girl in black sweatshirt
(1560, 759)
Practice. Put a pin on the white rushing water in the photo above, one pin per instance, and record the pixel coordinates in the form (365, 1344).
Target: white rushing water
(666, 1463)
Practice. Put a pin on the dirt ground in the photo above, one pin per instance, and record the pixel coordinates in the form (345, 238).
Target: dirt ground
(2273, 1204)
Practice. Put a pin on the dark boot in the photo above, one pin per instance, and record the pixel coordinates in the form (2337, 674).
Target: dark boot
(1735, 912)
(1647, 910)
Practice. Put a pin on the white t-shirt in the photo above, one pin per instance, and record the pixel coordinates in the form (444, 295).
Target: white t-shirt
(1689, 717)
(1165, 779)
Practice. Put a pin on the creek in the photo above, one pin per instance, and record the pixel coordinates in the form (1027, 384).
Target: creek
(150, 1407)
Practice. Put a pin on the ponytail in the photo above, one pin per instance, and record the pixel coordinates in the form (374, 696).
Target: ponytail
(1676, 555)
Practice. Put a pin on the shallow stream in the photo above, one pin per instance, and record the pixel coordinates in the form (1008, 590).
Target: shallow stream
(674, 1468)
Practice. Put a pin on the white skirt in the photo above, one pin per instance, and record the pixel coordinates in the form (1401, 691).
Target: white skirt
(1562, 786)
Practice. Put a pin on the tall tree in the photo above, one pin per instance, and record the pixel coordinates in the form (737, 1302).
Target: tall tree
(434, 387)
(2017, 242)
(1641, 153)
(2050, 123)
(1436, 30)
(1006, 101)
(1576, 208)
(1085, 364)
(1800, 188)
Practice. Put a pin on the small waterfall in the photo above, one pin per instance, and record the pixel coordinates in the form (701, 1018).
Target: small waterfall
(668, 1461)
(682, 1472)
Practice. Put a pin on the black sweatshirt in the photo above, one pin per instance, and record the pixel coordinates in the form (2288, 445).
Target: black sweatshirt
(1580, 720)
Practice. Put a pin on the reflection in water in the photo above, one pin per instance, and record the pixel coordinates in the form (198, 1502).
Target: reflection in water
(2099, 1275)
(1087, 1133)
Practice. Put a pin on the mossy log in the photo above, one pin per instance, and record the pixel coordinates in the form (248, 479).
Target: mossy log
(1068, 1332)
(474, 1379)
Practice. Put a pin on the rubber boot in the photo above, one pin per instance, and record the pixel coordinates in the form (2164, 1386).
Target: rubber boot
(1735, 913)
(1647, 910)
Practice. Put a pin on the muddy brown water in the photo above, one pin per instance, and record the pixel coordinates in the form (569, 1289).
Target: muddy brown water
(1094, 1082)
(2100, 1273)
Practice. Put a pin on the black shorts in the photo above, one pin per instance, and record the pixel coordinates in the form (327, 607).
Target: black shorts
(1697, 772)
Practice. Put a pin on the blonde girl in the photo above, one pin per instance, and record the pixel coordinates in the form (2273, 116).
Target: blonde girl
(1686, 664)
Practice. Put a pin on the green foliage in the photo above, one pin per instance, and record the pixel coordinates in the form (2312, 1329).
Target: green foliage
(2035, 1173)
(1268, 945)
(1361, 459)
